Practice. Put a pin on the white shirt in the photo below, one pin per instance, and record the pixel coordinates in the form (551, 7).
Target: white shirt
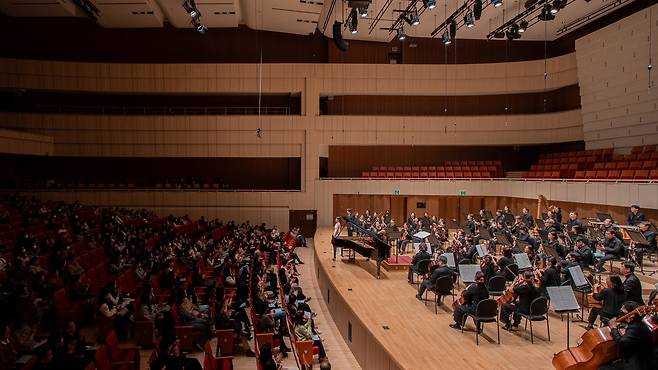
(337, 229)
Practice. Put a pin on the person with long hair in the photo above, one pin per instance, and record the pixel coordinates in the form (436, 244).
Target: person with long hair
(613, 298)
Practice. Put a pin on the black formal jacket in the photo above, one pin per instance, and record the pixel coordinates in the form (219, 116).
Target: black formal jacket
(551, 277)
(474, 294)
(633, 289)
(528, 220)
(440, 272)
(527, 293)
(614, 247)
(635, 346)
(420, 256)
(612, 301)
(635, 219)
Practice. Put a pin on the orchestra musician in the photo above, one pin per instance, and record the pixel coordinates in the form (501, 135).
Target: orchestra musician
(613, 248)
(505, 260)
(612, 296)
(527, 218)
(499, 218)
(632, 285)
(422, 255)
(470, 223)
(440, 271)
(526, 292)
(640, 249)
(571, 261)
(551, 275)
(487, 267)
(583, 249)
(607, 225)
(635, 217)
(472, 296)
(635, 344)
(574, 224)
(555, 243)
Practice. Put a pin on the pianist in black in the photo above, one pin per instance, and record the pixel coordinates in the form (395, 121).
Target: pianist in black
(439, 272)
(420, 260)
(635, 217)
(613, 248)
(472, 296)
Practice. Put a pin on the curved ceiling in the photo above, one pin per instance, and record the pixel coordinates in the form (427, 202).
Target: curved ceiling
(305, 16)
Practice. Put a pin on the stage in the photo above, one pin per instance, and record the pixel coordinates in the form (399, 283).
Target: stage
(391, 329)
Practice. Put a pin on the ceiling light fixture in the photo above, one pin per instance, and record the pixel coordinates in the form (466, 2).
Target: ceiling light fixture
(429, 4)
(353, 23)
(468, 20)
(496, 3)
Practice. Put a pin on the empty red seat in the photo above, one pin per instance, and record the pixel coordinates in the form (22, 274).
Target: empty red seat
(423, 168)
(390, 174)
(599, 166)
(635, 165)
(579, 175)
(468, 174)
(614, 174)
(458, 174)
(641, 174)
(476, 174)
(649, 165)
(439, 174)
(610, 166)
(415, 174)
(375, 168)
(398, 174)
(423, 174)
(637, 149)
(601, 174)
(627, 174)
(449, 174)
(405, 174)
(432, 168)
(433, 174)
(623, 165)
(590, 174)
(406, 168)
(365, 174)
(653, 174)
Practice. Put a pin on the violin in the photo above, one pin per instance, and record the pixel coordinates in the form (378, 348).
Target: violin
(597, 346)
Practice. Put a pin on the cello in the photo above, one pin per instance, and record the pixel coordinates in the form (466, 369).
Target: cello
(597, 346)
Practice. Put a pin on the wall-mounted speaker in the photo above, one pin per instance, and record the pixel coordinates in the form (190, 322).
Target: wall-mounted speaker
(338, 37)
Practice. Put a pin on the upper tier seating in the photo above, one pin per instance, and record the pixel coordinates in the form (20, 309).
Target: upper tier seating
(449, 170)
(600, 164)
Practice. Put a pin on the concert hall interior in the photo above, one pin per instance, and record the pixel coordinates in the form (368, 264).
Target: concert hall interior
(317, 184)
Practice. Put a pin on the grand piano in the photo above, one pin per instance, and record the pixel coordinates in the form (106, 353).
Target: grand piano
(368, 244)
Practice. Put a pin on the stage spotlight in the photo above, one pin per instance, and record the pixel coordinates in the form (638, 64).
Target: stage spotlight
(523, 26)
(546, 14)
(513, 32)
(363, 12)
(353, 21)
(446, 38)
(429, 4)
(468, 20)
(412, 17)
(401, 34)
(496, 3)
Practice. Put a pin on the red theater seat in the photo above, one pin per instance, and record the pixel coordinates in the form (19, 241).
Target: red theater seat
(641, 174)
(579, 175)
(601, 174)
(614, 174)
(627, 174)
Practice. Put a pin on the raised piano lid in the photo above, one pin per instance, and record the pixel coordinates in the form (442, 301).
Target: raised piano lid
(364, 231)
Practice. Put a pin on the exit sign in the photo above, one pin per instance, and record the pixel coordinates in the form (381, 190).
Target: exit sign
(396, 192)
(462, 193)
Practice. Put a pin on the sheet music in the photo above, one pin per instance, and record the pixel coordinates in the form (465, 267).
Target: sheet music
(578, 277)
(522, 261)
(467, 272)
(562, 298)
(451, 259)
(482, 251)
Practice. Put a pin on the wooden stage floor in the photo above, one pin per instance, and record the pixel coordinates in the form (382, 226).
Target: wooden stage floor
(416, 337)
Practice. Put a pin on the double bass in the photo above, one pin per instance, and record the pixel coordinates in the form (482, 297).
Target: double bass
(597, 346)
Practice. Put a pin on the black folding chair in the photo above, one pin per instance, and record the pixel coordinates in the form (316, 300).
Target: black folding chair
(444, 286)
(485, 311)
(538, 312)
(496, 286)
(421, 268)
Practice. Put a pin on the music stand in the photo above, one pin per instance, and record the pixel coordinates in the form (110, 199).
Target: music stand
(652, 227)
(485, 234)
(581, 284)
(563, 301)
(551, 251)
(394, 234)
(522, 261)
(637, 237)
(603, 216)
(451, 259)
(482, 251)
(540, 224)
(503, 239)
(467, 272)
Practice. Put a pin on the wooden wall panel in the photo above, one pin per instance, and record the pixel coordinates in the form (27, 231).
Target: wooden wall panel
(617, 91)
(17, 142)
(455, 207)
